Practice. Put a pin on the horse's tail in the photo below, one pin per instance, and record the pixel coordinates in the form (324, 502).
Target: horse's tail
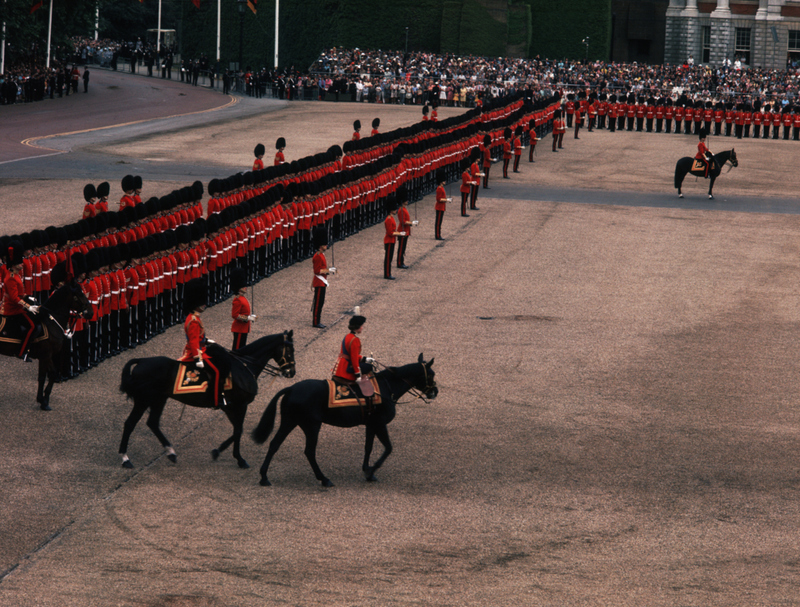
(264, 428)
(680, 172)
(126, 385)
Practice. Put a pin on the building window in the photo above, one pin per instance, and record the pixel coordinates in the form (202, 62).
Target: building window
(742, 49)
(793, 59)
(706, 44)
(794, 40)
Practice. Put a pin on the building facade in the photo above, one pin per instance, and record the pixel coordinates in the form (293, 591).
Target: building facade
(759, 33)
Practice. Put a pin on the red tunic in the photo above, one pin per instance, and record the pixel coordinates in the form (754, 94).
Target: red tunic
(391, 227)
(240, 309)
(403, 219)
(279, 159)
(195, 338)
(320, 264)
(349, 358)
(13, 293)
(441, 199)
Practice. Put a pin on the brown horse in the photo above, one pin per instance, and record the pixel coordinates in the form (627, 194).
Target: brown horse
(54, 315)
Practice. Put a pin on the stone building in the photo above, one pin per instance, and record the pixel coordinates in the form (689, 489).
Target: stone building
(759, 33)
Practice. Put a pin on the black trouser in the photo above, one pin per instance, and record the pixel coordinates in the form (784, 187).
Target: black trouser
(239, 340)
(438, 225)
(516, 163)
(387, 259)
(473, 196)
(317, 305)
(506, 162)
(486, 176)
(464, 200)
(402, 243)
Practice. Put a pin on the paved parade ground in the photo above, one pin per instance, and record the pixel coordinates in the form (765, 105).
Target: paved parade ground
(617, 368)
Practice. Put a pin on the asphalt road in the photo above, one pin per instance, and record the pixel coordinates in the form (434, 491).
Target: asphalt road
(616, 422)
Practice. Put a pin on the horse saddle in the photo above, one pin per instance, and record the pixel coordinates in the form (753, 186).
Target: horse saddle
(351, 395)
(13, 329)
(699, 167)
(191, 380)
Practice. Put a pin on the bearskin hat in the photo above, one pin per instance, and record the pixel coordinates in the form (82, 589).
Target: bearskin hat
(320, 237)
(357, 321)
(238, 279)
(474, 154)
(391, 204)
(137, 182)
(195, 294)
(487, 140)
(376, 123)
(357, 125)
(89, 192)
(14, 253)
(103, 190)
(703, 133)
(280, 143)
(127, 183)
(259, 150)
(507, 133)
(425, 109)
(441, 176)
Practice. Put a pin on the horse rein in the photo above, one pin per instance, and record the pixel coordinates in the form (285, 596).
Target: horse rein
(282, 362)
(413, 390)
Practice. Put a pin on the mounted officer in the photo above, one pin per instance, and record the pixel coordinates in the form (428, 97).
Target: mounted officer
(704, 155)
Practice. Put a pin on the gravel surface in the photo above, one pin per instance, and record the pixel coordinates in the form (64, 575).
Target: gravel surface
(615, 422)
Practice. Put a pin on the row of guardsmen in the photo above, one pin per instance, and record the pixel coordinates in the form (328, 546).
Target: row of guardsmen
(133, 263)
(684, 115)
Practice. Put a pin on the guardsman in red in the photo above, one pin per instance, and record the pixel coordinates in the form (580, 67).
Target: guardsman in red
(507, 151)
(90, 196)
(660, 114)
(475, 172)
(259, 152)
(703, 153)
(679, 110)
(612, 113)
(532, 139)
(650, 114)
(466, 187)
(103, 190)
(739, 120)
(434, 111)
(441, 202)
(517, 148)
(719, 116)
(486, 151)
(321, 272)
(351, 365)
(688, 118)
(280, 145)
(241, 312)
(390, 237)
(570, 108)
(602, 110)
(13, 302)
(356, 131)
(641, 111)
(578, 117)
(796, 123)
(404, 224)
(558, 130)
(669, 114)
(128, 188)
(730, 114)
(375, 124)
(786, 119)
(195, 298)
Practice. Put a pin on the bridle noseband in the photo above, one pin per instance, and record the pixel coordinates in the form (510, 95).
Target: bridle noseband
(283, 362)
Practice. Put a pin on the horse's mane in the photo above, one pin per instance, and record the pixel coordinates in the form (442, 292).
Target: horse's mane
(58, 298)
(256, 347)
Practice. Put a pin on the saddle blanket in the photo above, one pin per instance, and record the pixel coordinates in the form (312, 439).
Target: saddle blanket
(12, 331)
(191, 380)
(343, 396)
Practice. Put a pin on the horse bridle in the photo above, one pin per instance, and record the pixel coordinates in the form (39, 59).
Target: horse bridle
(412, 389)
(282, 362)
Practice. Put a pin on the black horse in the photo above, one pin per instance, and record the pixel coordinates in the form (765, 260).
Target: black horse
(66, 302)
(687, 165)
(151, 381)
(305, 404)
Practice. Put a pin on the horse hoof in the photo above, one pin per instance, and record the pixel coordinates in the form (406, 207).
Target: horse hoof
(215, 454)
(127, 464)
(680, 195)
(173, 458)
(710, 197)
(243, 464)
(327, 483)
(372, 478)
(45, 407)
(265, 483)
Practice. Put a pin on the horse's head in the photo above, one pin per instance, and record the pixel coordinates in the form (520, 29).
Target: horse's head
(286, 360)
(427, 385)
(78, 302)
(733, 160)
